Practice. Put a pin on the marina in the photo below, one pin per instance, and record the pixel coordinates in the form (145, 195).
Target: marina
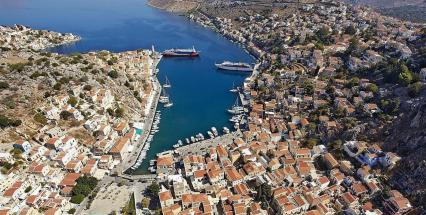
(200, 95)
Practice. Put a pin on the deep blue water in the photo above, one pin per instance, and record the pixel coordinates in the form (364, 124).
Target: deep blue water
(200, 93)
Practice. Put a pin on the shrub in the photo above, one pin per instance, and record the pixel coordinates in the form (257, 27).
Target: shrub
(72, 101)
(65, 115)
(414, 89)
(40, 118)
(71, 211)
(113, 74)
(4, 85)
(77, 199)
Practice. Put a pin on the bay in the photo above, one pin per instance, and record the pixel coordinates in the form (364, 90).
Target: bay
(200, 92)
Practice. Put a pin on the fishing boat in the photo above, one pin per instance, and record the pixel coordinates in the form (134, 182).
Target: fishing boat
(214, 130)
(181, 53)
(226, 130)
(236, 108)
(234, 66)
(233, 89)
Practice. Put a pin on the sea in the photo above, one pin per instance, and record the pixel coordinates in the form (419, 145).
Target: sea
(199, 91)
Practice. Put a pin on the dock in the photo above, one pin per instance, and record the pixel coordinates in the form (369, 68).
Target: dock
(199, 148)
(140, 144)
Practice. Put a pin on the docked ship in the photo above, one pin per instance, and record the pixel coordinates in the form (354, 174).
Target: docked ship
(227, 65)
(181, 53)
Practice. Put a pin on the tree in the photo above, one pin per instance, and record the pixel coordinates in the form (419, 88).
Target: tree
(373, 88)
(71, 211)
(57, 86)
(414, 89)
(65, 115)
(145, 203)
(153, 190)
(113, 74)
(311, 142)
(40, 118)
(87, 87)
(77, 199)
(350, 30)
(72, 101)
(390, 106)
(4, 85)
(405, 76)
(119, 112)
(82, 189)
(28, 189)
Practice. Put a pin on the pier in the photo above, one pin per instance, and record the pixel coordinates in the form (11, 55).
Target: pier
(198, 148)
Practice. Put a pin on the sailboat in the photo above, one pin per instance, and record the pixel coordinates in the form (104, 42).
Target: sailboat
(236, 108)
(234, 90)
(167, 84)
(164, 98)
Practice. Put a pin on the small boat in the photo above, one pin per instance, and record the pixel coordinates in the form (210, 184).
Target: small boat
(193, 139)
(210, 134)
(179, 142)
(164, 98)
(214, 130)
(227, 65)
(168, 104)
(234, 90)
(236, 108)
(237, 125)
(187, 140)
(167, 84)
(226, 130)
(201, 136)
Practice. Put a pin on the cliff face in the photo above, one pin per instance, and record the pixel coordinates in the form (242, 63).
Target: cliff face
(408, 139)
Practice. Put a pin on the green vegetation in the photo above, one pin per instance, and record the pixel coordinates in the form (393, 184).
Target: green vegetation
(8, 122)
(65, 115)
(153, 189)
(129, 208)
(390, 106)
(72, 101)
(40, 118)
(414, 89)
(264, 194)
(71, 211)
(28, 189)
(113, 74)
(4, 85)
(85, 186)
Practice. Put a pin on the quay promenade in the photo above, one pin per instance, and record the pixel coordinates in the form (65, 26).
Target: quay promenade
(199, 148)
(132, 158)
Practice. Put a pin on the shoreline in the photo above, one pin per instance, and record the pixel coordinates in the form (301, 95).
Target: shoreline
(132, 159)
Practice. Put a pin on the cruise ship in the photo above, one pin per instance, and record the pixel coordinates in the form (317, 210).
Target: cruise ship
(227, 65)
(181, 53)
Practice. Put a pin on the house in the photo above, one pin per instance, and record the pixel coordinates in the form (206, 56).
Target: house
(69, 180)
(330, 161)
(364, 173)
(120, 148)
(106, 162)
(22, 145)
(390, 159)
(397, 204)
(165, 164)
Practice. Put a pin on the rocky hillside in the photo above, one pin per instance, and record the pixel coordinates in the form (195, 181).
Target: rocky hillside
(408, 139)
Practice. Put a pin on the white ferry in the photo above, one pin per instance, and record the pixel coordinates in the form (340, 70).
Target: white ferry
(227, 65)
